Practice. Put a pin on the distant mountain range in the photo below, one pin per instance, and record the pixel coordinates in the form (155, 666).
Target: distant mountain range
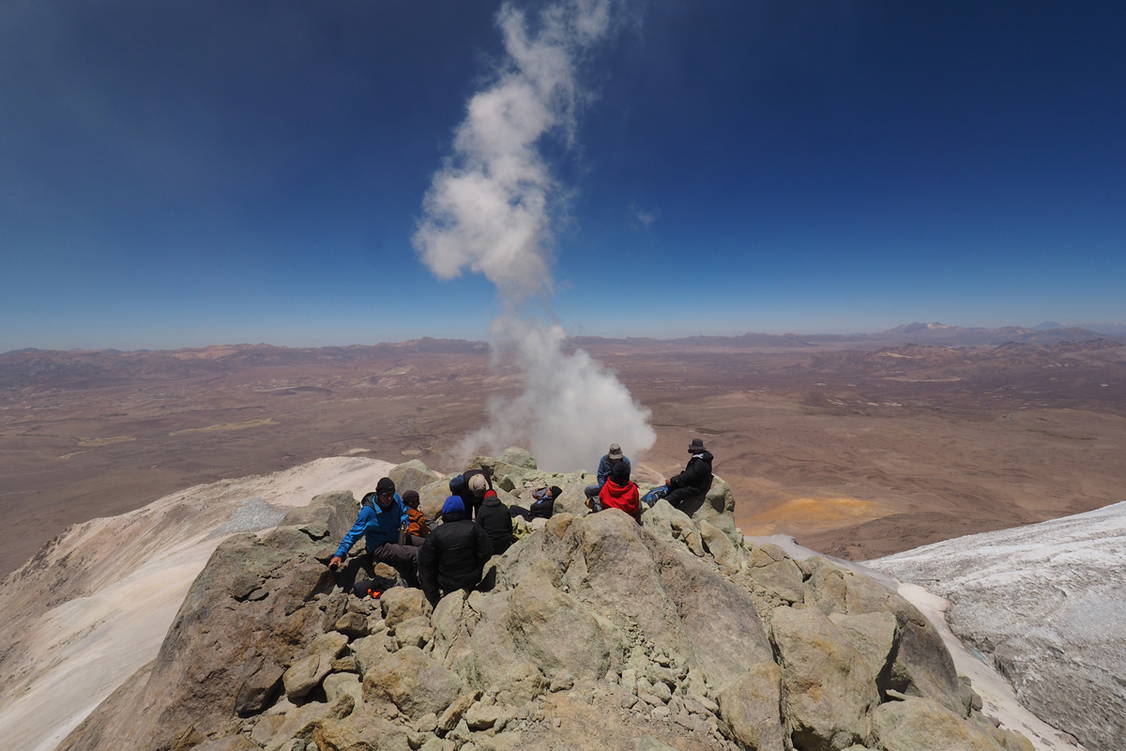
(90, 368)
(908, 333)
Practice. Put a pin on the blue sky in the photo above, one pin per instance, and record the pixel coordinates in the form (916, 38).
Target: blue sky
(186, 173)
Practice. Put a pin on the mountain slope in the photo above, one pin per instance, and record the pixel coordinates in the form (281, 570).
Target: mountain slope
(94, 605)
(1047, 604)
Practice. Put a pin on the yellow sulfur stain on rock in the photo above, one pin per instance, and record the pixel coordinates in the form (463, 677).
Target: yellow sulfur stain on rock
(813, 514)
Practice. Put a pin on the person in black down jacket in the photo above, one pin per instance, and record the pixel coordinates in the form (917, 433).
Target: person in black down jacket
(543, 507)
(688, 489)
(495, 519)
(454, 555)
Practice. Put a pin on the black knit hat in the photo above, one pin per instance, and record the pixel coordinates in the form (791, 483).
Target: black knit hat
(385, 485)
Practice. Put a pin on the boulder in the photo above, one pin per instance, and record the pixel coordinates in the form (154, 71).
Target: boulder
(402, 603)
(338, 684)
(432, 495)
(719, 546)
(750, 707)
(411, 475)
(412, 682)
(519, 457)
(363, 730)
(828, 688)
(672, 524)
(924, 725)
(719, 510)
(776, 574)
(259, 688)
(371, 650)
(305, 675)
(922, 666)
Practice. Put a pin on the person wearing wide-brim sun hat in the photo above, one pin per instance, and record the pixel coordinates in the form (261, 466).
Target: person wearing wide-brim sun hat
(613, 456)
(688, 489)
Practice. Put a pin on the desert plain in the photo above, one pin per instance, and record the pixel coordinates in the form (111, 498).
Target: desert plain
(857, 447)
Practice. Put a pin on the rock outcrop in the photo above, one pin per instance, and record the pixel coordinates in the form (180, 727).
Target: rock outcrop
(598, 633)
(1047, 604)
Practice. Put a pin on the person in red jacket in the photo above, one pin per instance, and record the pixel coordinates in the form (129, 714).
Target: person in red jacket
(619, 492)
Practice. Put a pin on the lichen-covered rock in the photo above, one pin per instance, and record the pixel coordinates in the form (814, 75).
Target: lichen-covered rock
(924, 725)
(751, 708)
(412, 682)
(828, 688)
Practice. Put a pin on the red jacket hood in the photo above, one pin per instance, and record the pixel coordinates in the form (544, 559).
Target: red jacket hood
(624, 497)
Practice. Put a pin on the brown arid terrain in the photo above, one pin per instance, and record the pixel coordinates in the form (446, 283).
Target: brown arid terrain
(858, 446)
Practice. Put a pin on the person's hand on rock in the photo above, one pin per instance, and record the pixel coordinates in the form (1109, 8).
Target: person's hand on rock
(335, 562)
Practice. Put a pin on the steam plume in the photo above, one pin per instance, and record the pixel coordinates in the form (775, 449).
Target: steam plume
(490, 210)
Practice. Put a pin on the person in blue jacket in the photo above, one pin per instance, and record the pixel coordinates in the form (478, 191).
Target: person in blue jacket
(382, 515)
(605, 467)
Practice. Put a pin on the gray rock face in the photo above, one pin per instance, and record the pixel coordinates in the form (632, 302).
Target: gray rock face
(1047, 603)
(412, 475)
(599, 633)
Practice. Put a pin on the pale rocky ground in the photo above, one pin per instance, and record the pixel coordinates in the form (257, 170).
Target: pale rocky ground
(126, 576)
(95, 604)
(1046, 603)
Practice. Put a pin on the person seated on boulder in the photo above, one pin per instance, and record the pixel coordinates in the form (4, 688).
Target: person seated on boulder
(618, 492)
(382, 516)
(471, 486)
(605, 465)
(495, 519)
(542, 507)
(454, 555)
(688, 489)
(418, 527)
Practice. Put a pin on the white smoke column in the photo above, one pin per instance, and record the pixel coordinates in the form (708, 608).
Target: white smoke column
(489, 209)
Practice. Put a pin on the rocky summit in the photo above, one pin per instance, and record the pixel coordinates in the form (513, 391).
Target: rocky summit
(597, 633)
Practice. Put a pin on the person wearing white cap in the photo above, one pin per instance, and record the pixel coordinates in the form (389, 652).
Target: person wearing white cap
(605, 467)
(471, 487)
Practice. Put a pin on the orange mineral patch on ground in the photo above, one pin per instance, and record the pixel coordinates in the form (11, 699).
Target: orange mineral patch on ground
(797, 516)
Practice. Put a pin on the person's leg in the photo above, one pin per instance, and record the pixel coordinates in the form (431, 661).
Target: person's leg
(355, 567)
(688, 500)
(520, 511)
(592, 491)
(404, 559)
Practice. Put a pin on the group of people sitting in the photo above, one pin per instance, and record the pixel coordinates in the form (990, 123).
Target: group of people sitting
(474, 524)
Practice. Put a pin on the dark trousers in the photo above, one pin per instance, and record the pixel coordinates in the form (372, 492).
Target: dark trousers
(403, 558)
(522, 512)
(688, 500)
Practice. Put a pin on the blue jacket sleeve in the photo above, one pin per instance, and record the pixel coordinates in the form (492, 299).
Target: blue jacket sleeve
(404, 520)
(603, 470)
(356, 532)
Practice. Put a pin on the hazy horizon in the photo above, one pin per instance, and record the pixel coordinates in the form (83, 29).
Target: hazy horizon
(1110, 329)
